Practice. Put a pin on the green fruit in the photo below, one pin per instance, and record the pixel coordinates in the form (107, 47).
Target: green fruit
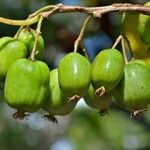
(144, 26)
(27, 36)
(26, 86)
(107, 69)
(141, 62)
(10, 51)
(4, 41)
(57, 103)
(133, 91)
(100, 103)
(74, 74)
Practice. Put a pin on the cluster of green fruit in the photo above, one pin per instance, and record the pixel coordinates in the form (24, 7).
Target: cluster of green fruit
(29, 85)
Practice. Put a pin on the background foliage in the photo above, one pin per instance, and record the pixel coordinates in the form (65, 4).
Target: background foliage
(83, 129)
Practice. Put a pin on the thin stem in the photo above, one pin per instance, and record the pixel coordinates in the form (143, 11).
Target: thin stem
(38, 32)
(129, 46)
(85, 53)
(124, 35)
(77, 42)
(18, 32)
(118, 40)
(19, 22)
(124, 51)
(123, 40)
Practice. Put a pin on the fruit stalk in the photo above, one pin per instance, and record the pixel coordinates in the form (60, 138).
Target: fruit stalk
(85, 53)
(17, 33)
(125, 39)
(38, 32)
(124, 51)
(117, 41)
(37, 13)
(77, 42)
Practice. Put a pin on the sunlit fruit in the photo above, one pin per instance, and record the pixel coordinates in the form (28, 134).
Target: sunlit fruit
(10, 50)
(57, 103)
(106, 71)
(133, 91)
(26, 86)
(74, 75)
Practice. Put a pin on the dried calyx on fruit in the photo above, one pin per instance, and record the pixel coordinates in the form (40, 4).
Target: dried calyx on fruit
(100, 103)
(57, 103)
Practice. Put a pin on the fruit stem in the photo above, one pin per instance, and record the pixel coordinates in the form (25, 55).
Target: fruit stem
(85, 53)
(124, 35)
(38, 32)
(55, 7)
(124, 51)
(129, 46)
(117, 41)
(78, 40)
(18, 32)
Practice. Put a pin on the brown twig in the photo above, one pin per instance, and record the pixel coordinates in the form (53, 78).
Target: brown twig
(95, 11)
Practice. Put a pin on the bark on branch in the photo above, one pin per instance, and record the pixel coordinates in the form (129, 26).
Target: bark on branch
(95, 11)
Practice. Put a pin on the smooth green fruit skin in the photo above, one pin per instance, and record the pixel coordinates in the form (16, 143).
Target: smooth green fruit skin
(57, 103)
(10, 51)
(74, 74)
(27, 36)
(97, 102)
(26, 85)
(107, 69)
(141, 62)
(133, 91)
(144, 27)
(4, 41)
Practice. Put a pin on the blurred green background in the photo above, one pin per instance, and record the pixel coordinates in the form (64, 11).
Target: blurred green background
(83, 129)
